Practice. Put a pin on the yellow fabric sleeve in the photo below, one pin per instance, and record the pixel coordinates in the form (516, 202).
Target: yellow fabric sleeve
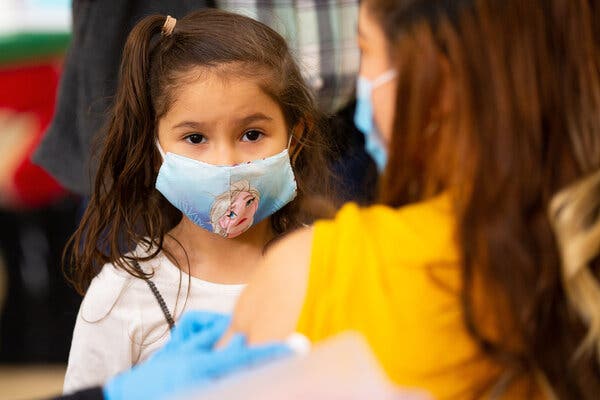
(394, 276)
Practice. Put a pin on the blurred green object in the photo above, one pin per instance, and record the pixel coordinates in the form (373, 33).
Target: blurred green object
(22, 47)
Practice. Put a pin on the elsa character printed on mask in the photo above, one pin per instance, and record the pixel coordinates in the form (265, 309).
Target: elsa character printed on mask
(227, 200)
(232, 213)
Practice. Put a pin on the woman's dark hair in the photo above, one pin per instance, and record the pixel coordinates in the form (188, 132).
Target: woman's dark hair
(521, 160)
(125, 209)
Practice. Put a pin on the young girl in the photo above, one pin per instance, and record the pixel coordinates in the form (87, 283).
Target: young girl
(211, 117)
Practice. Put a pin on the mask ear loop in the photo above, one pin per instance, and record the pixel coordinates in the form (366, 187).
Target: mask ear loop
(160, 149)
(384, 78)
(294, 156)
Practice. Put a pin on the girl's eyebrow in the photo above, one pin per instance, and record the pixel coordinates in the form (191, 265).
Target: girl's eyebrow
(199, 126)
(253, 118)
(190, 125)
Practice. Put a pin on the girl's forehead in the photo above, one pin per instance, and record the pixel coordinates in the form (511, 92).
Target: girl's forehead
(226, 97)
(224, 74)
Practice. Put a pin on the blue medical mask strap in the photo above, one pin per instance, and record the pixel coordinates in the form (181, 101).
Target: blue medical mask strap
(160, 149)
(293, 156)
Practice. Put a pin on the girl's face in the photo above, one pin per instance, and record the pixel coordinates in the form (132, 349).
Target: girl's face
(374, 61)
(222, 121)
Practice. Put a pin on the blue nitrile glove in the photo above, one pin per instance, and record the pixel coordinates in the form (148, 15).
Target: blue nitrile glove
(209, 325)
(188, 361)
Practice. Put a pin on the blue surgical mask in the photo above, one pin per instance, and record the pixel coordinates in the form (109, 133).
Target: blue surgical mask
(227, 200)
(364, 120)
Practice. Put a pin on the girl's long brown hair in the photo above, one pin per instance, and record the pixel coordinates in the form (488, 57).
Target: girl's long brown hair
(521, 158)
(125, 209)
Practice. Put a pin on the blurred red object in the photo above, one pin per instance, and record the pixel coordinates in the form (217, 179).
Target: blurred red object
(27, 100)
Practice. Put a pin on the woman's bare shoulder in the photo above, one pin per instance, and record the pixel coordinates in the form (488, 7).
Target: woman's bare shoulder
(270, 306)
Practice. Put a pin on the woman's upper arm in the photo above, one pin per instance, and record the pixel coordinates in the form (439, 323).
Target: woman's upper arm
(270, 306)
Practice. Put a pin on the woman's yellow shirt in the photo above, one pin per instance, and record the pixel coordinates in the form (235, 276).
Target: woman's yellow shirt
(394, 276)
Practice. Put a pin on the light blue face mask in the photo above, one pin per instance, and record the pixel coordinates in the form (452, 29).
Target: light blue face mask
(363, 116)
(227, 200)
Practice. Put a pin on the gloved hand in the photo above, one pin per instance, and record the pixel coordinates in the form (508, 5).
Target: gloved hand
(188, 360)
(195, 324)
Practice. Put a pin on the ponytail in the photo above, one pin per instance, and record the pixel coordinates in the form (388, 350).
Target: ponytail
(134, 90)
(575, 217)
(124, 208)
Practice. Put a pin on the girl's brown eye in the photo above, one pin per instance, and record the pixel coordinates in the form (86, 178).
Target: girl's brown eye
(252, 136)
(195, 138)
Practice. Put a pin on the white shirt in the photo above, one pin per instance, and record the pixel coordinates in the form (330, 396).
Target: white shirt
(120, 323)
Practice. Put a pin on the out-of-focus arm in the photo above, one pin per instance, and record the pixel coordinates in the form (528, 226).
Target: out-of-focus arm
(270, 306)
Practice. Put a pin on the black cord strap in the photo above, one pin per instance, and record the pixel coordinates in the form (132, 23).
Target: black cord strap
(157, 296)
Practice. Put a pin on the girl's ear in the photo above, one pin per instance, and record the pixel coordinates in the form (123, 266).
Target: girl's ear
(297, 142)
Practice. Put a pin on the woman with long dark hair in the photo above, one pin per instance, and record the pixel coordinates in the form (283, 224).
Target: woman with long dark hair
(477, 277)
